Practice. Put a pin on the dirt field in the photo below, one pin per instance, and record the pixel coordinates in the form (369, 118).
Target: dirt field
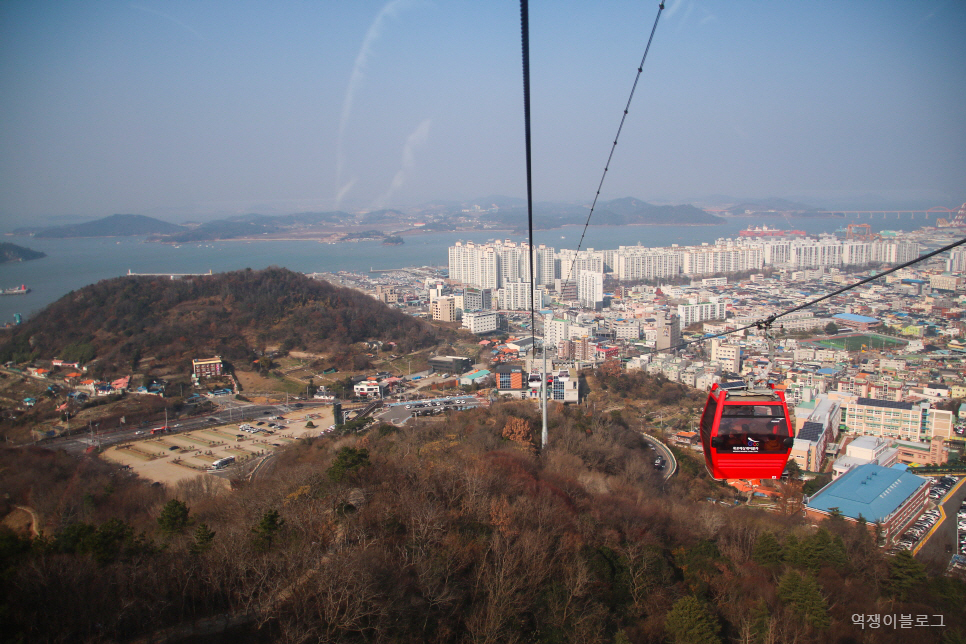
(175, 457)
(251, 382)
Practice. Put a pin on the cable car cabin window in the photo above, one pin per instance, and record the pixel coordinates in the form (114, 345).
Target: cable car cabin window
(707, 423)
(758, 429)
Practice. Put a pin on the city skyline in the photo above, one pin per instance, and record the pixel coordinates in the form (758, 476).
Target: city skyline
(201, 110)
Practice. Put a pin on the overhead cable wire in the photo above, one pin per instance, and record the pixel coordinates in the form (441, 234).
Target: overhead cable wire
(765, 323)
(640, 68)
(525, 31)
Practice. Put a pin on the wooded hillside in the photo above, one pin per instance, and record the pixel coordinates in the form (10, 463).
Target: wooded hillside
(450, 532)
(113, 226)
(230, 314)
(13, 253)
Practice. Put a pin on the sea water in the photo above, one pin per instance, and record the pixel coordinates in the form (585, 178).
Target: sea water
(74, 263)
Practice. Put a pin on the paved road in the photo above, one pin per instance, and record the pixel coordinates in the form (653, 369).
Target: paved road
(658, 447)
(942, 544)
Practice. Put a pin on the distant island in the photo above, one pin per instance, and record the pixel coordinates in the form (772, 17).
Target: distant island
(14, 253)
(390, 226)
(364, 235)
(260, 226)
(113, 226)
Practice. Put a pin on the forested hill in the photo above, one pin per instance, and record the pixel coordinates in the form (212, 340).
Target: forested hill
(450, 530)
(113, 226)
(14, 253)
(229, 314)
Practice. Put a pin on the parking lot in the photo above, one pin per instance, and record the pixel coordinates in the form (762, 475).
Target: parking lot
(945, 537)
(169, 458)
(400, 412)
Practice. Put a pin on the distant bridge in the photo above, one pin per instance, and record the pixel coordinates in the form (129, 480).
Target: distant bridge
(938, 210)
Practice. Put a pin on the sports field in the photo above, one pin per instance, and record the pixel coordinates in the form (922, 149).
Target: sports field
(857, 342)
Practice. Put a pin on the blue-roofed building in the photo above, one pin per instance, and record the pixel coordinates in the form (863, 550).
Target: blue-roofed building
(474, 377)
(858, 322)
(890, 496)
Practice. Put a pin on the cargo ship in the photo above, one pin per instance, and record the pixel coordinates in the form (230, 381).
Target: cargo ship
(765, 231)
(19, 290)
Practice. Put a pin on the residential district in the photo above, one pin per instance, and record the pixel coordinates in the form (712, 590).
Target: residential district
(875, 375)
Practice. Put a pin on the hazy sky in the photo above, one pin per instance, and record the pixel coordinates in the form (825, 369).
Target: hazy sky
(192, 109)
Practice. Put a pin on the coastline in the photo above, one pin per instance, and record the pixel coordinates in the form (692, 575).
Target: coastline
(323, 238)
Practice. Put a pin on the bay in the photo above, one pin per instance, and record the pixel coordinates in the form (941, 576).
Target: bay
(74, 263)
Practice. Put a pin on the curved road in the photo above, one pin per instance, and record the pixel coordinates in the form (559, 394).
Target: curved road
(941, 543)
(665, 451)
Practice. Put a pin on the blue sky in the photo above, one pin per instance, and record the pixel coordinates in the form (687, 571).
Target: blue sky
(189, 110)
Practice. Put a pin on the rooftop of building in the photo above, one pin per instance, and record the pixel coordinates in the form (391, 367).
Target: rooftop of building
(811, 431)
(887, 404)
(870, 491)
(866, 442)
(925, 447)
(852, 317)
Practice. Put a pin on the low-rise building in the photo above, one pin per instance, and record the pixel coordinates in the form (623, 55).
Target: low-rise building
(818, 431)
(207, 367)
(368, 389)
(889, 496)
(897, 420)
(509, 377)
(481, 321)
(564, 386)
(477, 377)
(858, 322)
(933, 452)
(685, 438)
(865, 449)
(444, 309)
(450, 364)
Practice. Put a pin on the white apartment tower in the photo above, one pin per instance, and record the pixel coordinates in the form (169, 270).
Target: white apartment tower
(699, 312)
(497, 264)
(590, 290)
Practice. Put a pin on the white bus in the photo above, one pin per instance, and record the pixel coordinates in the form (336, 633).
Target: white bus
(223, 462)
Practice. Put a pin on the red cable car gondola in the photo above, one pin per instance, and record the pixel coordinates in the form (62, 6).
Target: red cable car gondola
(745, 432)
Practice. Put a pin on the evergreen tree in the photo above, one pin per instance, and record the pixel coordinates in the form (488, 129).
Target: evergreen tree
(793, 550)
(821, 549)
(803, 595)
(347, 460)
(174, 517)
(690, 622)
(267, 528)
(767, 551)
(760, 621)
(204, 537)
(905, 573)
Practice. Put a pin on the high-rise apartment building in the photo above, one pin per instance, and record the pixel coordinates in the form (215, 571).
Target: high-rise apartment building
(494, 265)
(701, 311)
(590, 290)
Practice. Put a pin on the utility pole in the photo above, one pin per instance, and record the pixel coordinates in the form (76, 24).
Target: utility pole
(543, 436)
